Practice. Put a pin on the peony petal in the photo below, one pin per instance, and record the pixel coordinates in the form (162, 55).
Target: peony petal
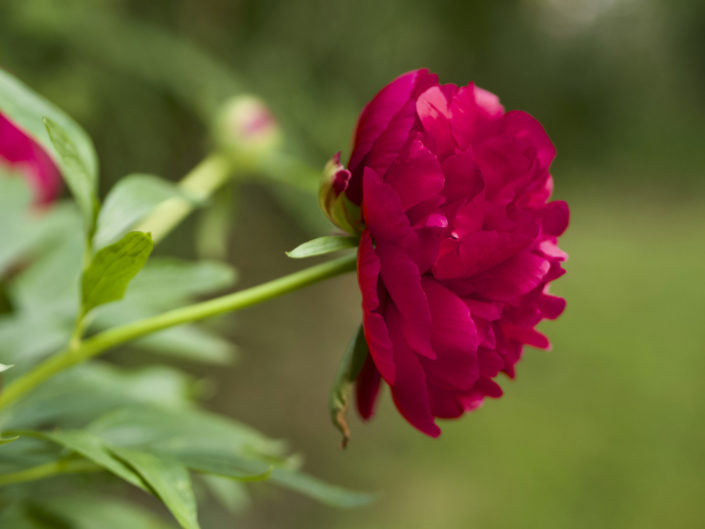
(383, 212)
(432, 109)
(473, 112)
(515, 277)
(526, 335)
(525, 128)
(454, 338)
(463, 179)
(555, 217)
(379, 112)
(453, 330)
(409, 391)
(402, 280)
(367, 388)
(551, 306)
(416, 175)
(445, 404)
(484, 309)
(376, 334)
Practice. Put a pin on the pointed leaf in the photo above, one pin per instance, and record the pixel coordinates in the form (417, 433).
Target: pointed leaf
(92, 448)
(128, 202)
(79, 177)
(168, 479)
(323, 245)
(112, 268)
(88, 510)
(320, 490)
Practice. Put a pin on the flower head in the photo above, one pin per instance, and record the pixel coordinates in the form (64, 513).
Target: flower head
(458, 248)
(22, 154)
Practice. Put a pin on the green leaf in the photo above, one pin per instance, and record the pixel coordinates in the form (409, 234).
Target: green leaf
(206, 442)
(320, 490)
(192, 342)
(92, 448)
(23, 231)
(168, 479)
(9, 439)
(128, 202)
(28, 336)
(87, 510)
(112, 269)
(50, 283)
(62, 400)
(323, 245)
(176, 431)
(81, 180)
(27, 109)
(350, 367)
(232, 495)
(165, 281)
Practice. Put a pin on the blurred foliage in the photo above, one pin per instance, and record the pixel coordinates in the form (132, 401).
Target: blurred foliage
(606, 431)
(618, 84)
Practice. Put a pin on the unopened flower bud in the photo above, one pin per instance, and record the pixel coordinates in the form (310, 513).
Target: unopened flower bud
(333, 199)
(246, 128)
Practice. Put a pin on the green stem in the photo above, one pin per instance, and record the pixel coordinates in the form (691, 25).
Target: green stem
(99, 343)
(55, 468)
(198, 185)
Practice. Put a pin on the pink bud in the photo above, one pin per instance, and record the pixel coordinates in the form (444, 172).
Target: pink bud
(20, 153)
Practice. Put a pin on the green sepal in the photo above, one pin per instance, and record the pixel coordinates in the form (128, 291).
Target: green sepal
(353, 360)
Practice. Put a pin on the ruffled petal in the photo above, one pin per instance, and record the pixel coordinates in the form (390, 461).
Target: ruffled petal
(473, 112)
(402, 280)
(434, 113)
(416, 176)
(376, 334)
(517, 276)
(409, 391)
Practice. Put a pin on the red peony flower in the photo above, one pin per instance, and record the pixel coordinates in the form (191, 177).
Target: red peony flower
(458, 243)
(21, 153)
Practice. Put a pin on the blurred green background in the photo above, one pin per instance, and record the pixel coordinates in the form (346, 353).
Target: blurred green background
(607, 429)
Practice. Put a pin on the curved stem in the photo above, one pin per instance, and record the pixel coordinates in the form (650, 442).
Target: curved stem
(199, 184)
(99, 343)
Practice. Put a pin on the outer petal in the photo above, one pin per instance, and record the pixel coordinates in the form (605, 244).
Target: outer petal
(393, 107)
(555, 217)
(402, 280)
(453, 330)
(454, 338)
(515, 277)
(367, 389)
(409, 391)
(528, 130)
(379, 112)
(473, 111)
(376, 334)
